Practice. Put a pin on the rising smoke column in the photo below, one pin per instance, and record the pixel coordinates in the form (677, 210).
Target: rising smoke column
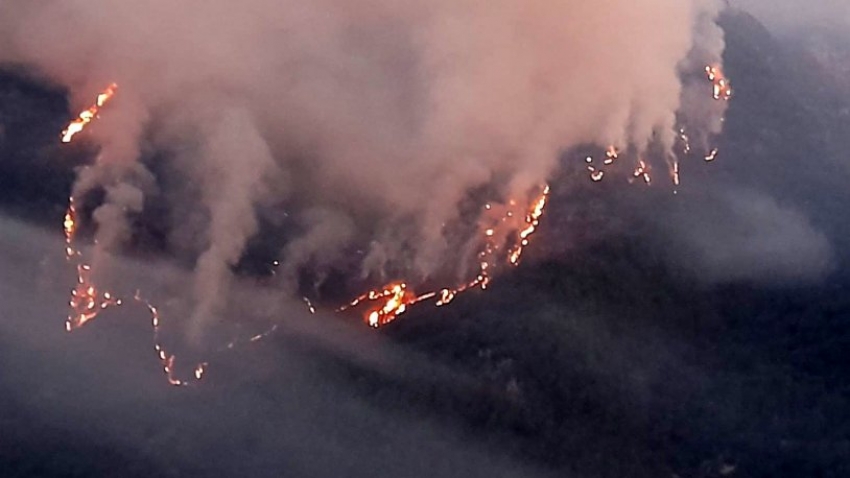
(118, 172)
(230, 195)
(383, 113)
(701, 115)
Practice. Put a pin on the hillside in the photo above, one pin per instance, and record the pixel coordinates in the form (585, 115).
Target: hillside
(599, 356)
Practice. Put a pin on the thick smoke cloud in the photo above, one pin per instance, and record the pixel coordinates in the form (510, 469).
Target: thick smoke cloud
(382, 114)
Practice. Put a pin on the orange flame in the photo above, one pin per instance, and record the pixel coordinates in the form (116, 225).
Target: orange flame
(611, 154)
(88, 115)
(532, 220)
(642, 172)
(390, 301)
(674, 172)
(598, 173)
(395, 298)
(87, 301)
(721, 88)
(166, 359)
(686, 141)
(70, 227)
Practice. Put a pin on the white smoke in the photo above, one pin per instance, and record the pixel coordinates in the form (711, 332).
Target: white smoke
(383, 114)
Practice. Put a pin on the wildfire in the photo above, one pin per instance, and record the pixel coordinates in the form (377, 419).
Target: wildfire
(674, 172)
(88, 115)
(87, 300)
(70, 227)
(309, 304)
(686, 141)
(502, 242)
(642, 172)
(721, 89)
(596, 175)
(166, 359)
(611, 154)
(532, 220)
(395, 298)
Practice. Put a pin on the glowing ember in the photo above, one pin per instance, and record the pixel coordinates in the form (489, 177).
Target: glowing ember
(674, 172)
(686, 141)
(87, 116)
(611, 154)
(199, 370)
(166, 359)
(642, 172)
(532, 220)
(87, 301)
(308, 304)
(596, 175)
(446, 296)
(70, 227)
(721, 89)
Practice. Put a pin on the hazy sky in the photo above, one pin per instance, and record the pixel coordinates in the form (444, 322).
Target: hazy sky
(785, 14)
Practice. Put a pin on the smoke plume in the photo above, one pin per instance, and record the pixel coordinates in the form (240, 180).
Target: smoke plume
(373, 120)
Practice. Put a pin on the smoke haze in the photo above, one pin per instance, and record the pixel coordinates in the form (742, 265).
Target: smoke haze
(383, 114)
